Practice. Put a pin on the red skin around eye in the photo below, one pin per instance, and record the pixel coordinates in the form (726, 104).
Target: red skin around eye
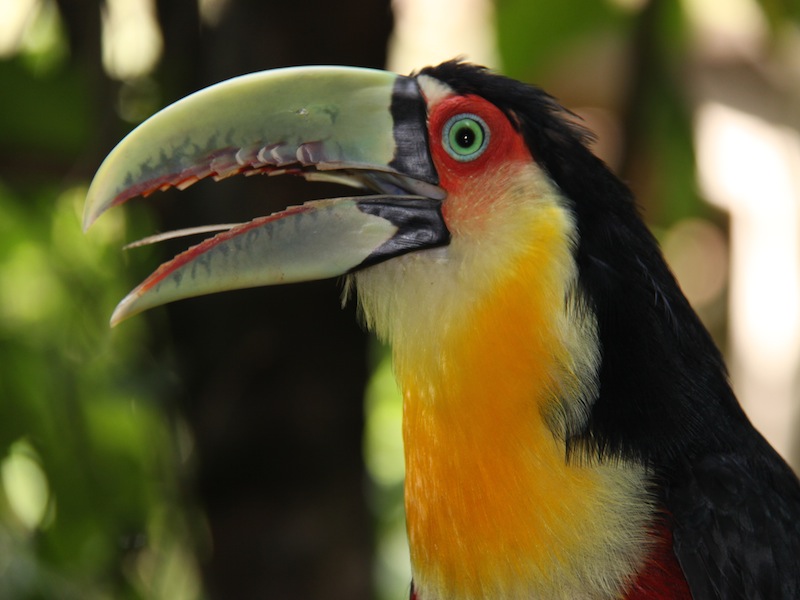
(505, 143)
(472, 185)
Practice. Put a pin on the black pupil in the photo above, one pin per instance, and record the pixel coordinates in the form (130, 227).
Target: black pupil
(465, 137)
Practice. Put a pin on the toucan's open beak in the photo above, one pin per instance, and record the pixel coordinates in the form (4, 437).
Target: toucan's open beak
(362, 127)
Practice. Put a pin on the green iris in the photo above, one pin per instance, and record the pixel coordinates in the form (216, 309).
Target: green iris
(465, 137)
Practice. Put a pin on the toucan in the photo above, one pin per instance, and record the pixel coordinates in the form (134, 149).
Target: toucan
(570, 431)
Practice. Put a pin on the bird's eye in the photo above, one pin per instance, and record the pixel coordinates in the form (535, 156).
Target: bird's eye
(465, 137)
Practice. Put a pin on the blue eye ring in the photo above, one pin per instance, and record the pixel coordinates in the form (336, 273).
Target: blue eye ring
(465, 137)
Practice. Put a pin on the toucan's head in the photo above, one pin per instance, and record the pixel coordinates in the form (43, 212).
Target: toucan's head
(439, 150)
(482, 188)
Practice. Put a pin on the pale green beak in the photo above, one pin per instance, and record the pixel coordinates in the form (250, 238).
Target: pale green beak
(362, 127)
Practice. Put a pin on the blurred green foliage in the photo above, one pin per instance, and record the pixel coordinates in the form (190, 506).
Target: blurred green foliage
(89, 497)
(383, 453)
(90, 458)
(530, 34)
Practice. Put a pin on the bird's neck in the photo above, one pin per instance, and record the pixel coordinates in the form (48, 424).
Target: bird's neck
(493, 508)
(497, 365)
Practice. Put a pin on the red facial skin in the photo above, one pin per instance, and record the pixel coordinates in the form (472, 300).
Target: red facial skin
(462, 179)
